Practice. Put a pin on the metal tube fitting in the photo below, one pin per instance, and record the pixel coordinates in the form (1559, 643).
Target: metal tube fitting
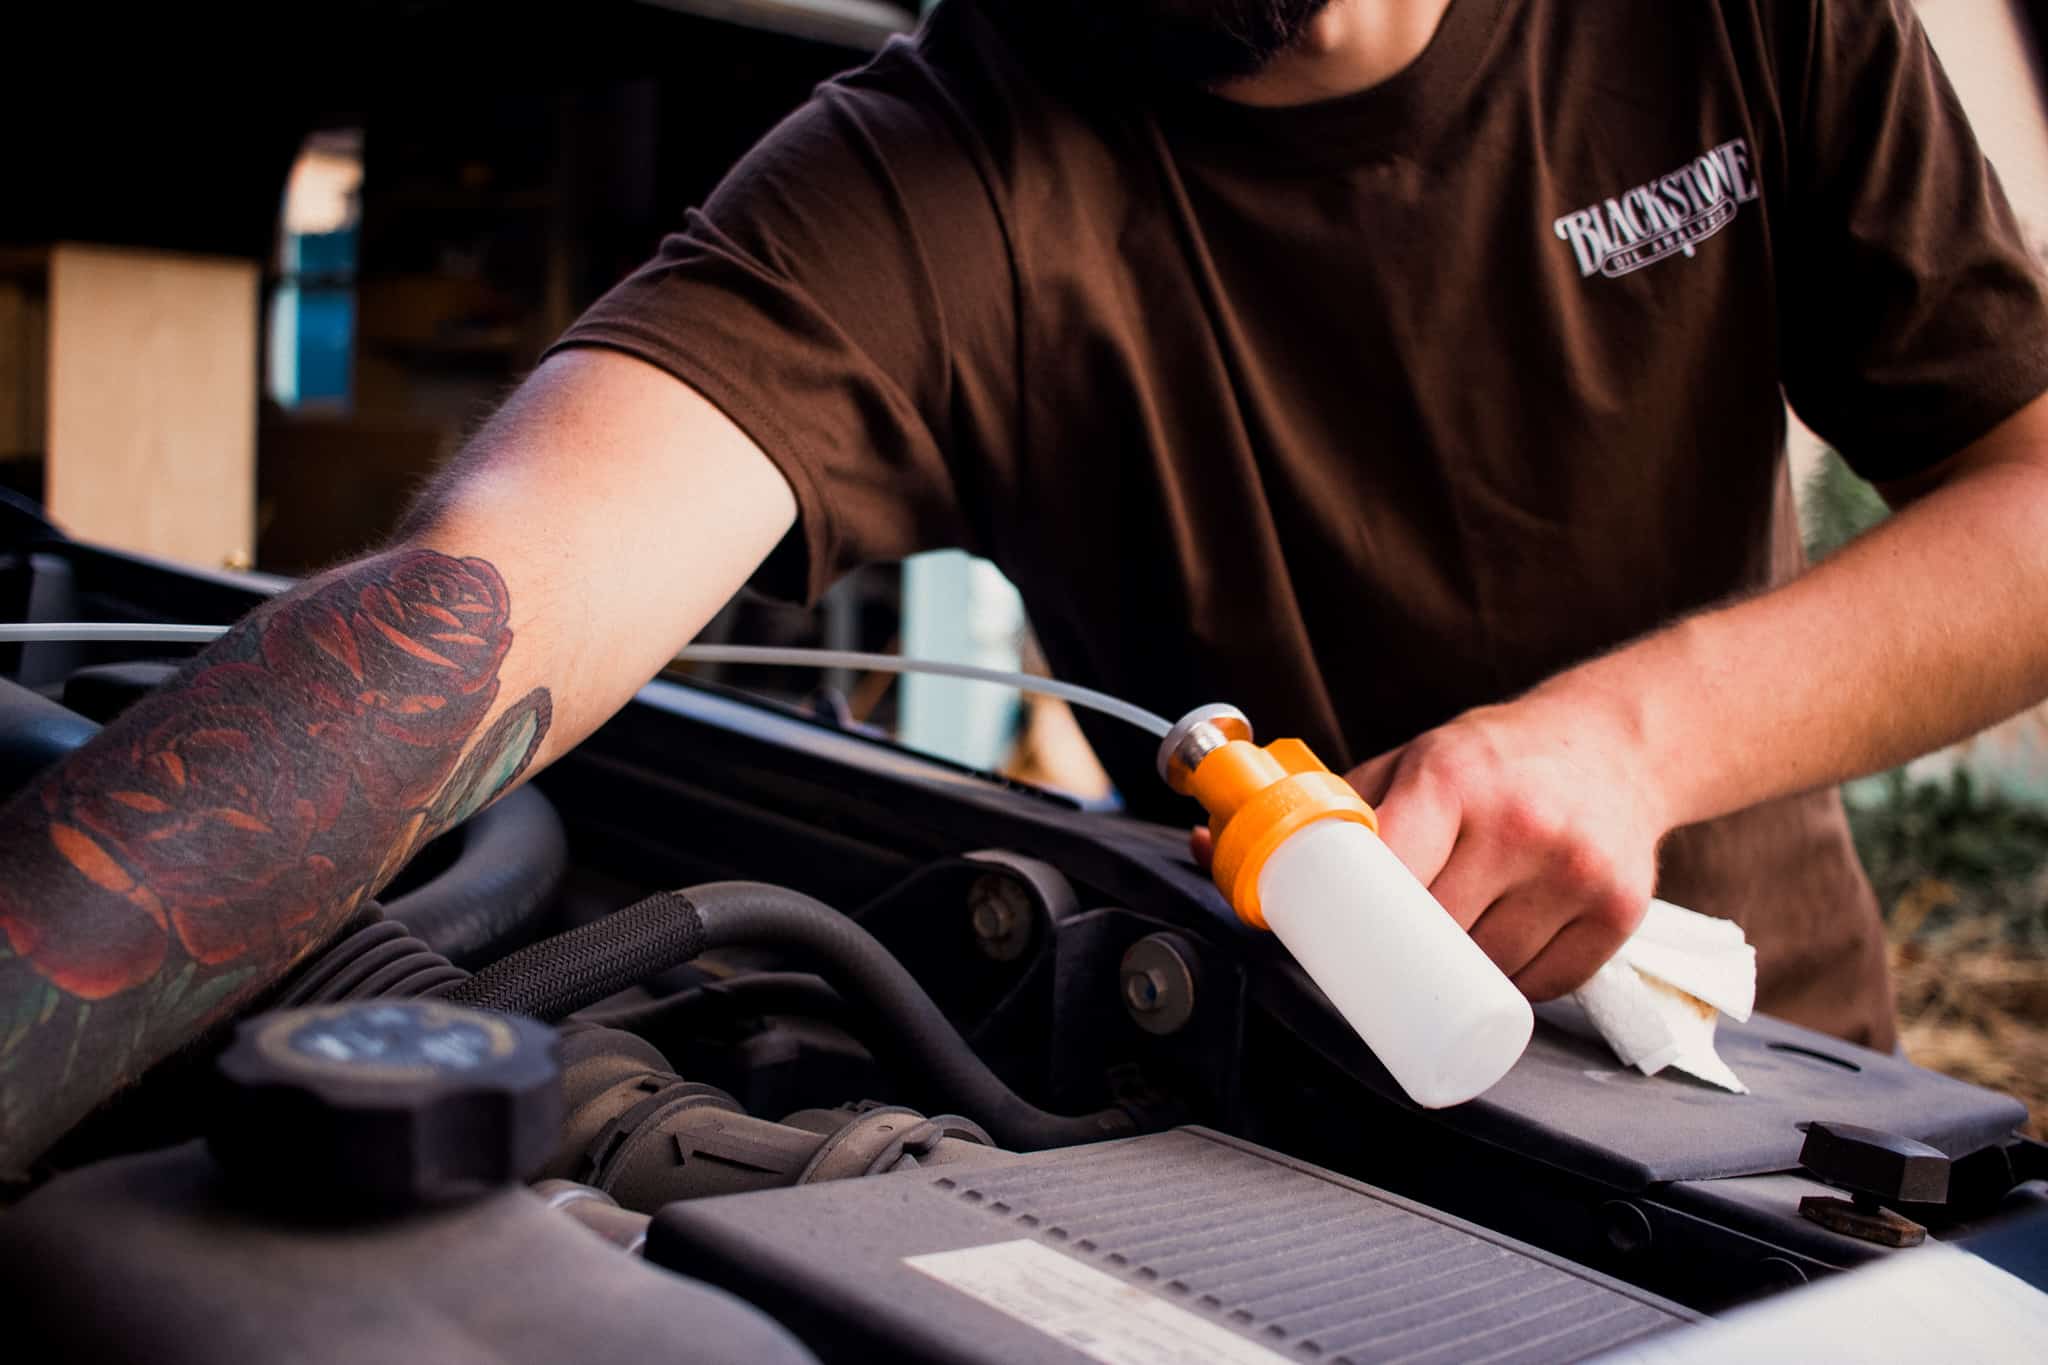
(1195, 736)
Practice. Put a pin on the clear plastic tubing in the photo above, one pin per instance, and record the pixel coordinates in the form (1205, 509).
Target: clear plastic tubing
(1434, 1008)
(1155, 725)
(153, 633)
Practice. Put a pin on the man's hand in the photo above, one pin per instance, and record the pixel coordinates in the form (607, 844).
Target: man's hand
(1536, 822)
(1535, 825)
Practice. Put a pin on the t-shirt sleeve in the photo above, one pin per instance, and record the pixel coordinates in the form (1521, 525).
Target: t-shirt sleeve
(1915, 316)
(845, 297)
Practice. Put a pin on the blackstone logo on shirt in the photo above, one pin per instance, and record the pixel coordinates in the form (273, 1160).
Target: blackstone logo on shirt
(1661, 217)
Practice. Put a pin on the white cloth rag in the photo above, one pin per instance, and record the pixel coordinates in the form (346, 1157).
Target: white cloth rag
(1658, 998)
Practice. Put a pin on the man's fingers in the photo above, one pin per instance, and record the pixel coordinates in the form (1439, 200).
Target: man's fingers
(1569, 960)
(1419, 822)
(1371, 778)
(1201, 846)
(1516, 929)
(1474, 879)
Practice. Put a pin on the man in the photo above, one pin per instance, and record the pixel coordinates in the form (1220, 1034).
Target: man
(1407, 372)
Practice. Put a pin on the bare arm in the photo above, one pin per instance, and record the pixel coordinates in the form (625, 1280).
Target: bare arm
(1536, 822)
(200, 845)
(1913, 636)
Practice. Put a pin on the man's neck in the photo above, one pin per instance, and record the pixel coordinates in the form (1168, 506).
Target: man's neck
(1350, 46)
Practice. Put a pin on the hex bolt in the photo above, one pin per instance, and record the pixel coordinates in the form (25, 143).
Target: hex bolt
(1628, 1227)
(1157, 981)
(999, 908)
(992, 919)
(1143, 989)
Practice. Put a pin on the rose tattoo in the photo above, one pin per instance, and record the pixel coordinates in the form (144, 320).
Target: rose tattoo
(408, 655)
(230, 821)
(187, 823)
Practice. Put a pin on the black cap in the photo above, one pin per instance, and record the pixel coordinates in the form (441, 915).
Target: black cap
(1882, 1166)
(390, 1103)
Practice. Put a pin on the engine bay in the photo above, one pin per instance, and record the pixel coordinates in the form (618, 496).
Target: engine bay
(839, 1049)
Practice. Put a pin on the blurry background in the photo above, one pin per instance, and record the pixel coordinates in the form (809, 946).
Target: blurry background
(1957, 842)
(263, 266)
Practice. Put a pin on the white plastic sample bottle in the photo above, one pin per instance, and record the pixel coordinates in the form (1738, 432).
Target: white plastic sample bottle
(1296, 852)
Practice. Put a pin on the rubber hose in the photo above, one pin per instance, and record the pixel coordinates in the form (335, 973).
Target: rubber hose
(558, 976)
(755, 993)
(377, 961)
(552, 979)
(35, 733)
(512, 860)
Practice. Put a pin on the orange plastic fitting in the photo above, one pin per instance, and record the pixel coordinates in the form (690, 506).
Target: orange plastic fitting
(1256, 798)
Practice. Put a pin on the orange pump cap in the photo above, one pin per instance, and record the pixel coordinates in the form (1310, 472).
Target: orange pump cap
(1256, 798)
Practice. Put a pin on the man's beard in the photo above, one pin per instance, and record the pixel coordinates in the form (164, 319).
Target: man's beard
(1180, 41)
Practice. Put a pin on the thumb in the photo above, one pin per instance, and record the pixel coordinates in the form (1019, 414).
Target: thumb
(1201, 846)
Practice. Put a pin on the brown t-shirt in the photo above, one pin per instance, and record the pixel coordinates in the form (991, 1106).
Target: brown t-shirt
(1362, 413)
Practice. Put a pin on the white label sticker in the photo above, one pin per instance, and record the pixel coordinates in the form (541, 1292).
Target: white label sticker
(1096, 1314)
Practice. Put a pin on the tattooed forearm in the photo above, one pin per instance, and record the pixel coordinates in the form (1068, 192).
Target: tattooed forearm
(224, 825)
